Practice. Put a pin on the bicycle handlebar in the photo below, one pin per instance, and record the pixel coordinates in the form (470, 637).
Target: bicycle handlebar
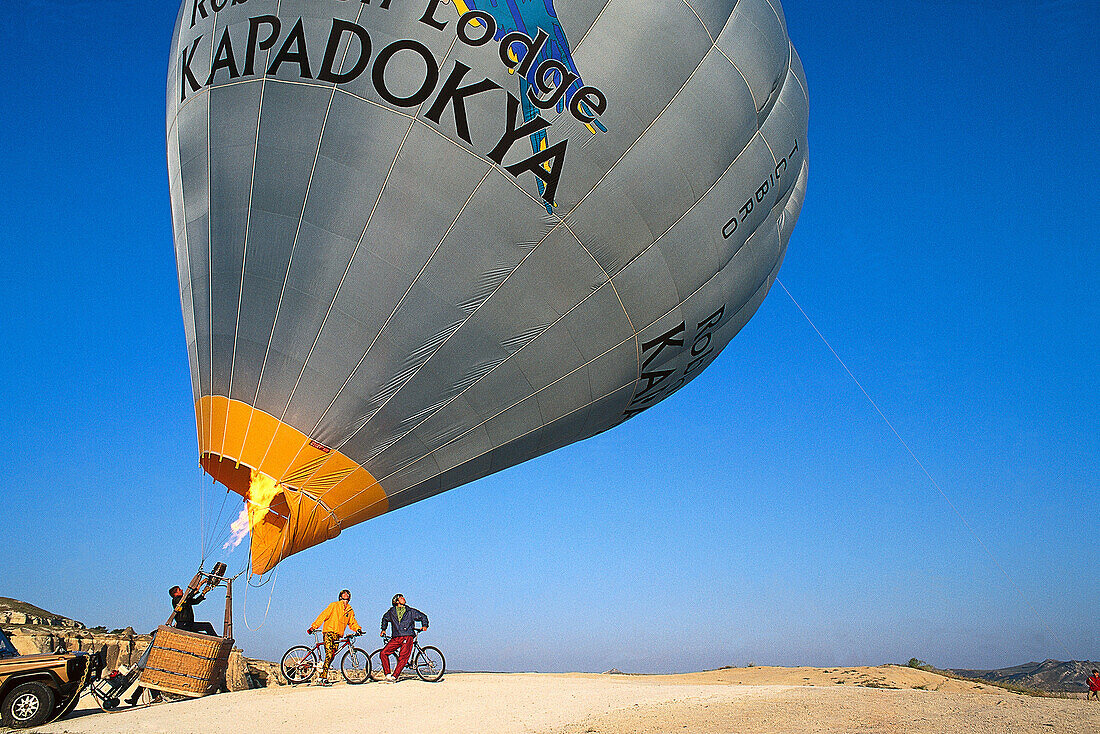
(342, 637)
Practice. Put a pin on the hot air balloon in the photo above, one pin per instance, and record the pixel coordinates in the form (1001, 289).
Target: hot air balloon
(421, 242)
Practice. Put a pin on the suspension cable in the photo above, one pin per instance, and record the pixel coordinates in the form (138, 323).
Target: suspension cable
(202, 515)
(959, 515)
(214, 526)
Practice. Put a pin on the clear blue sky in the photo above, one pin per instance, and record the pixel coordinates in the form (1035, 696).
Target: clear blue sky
(948, 250)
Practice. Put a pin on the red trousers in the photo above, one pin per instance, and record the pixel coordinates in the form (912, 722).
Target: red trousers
(406, 645)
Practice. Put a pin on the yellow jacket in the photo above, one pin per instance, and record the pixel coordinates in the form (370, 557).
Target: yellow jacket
(336, 617)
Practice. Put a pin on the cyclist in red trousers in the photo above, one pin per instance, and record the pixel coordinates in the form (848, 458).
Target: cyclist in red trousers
(401, 618)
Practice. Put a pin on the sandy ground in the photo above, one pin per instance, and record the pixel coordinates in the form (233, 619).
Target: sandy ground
(761, 700)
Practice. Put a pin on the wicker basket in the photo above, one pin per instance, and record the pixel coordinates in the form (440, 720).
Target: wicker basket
(186, 663)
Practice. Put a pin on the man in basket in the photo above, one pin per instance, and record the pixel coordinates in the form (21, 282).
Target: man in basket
(337, 617)
(401, 618)
(184, 604)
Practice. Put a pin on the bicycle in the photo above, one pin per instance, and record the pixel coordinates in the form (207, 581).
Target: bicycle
(428, 661)
(300, 663)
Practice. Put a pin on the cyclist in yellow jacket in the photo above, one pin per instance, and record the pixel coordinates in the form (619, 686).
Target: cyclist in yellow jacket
(337, 617)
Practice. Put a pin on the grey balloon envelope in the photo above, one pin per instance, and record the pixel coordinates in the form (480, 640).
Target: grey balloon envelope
(421, 242)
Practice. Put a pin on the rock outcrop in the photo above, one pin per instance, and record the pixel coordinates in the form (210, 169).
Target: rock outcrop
(236, 676)
(245, 673)
(123, 648)
(265, 673)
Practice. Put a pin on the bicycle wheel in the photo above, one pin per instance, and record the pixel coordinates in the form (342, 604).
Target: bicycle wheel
(430, 664)
(355, 666)
(299, 663)
(375, 668)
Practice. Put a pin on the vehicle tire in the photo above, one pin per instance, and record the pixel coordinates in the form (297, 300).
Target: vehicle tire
(430, 664)
(299, 664)
(28, 704)
(376, 669)
(355, 666)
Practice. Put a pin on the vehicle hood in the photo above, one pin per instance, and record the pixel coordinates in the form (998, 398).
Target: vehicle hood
(38, 658)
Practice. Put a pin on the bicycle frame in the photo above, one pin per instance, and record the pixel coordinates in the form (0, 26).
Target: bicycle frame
(345, 642)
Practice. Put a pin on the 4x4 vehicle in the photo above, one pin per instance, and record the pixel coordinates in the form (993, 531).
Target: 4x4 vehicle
(35, 689)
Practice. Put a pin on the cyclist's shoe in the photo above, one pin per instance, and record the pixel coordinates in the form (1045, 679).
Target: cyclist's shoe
(388, 678)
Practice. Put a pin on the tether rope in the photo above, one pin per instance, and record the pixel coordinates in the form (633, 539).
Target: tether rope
(270, 594)
(973, 532)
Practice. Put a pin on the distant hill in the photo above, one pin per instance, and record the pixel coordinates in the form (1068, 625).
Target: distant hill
(33, 629)
(1049, 675)
(13, 611)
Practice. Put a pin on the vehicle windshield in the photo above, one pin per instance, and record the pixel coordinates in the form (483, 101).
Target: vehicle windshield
(7, 650)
